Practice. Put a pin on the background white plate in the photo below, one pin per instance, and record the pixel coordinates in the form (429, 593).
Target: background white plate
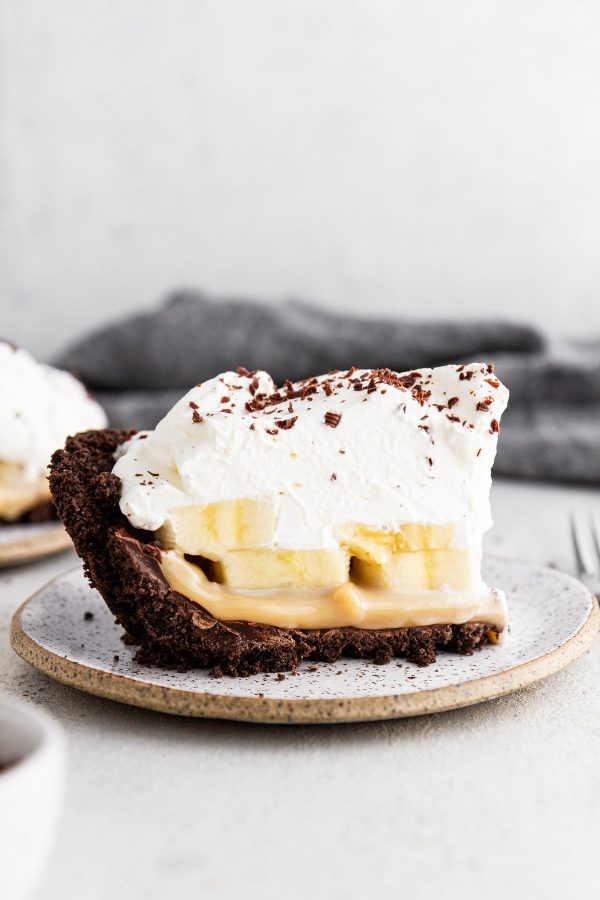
(553, 620)
(25, 542)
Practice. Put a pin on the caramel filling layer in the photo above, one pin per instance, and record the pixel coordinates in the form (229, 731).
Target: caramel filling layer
(347, 604)
(17, 494)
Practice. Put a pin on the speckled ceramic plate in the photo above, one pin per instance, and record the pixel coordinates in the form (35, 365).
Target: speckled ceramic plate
(553, 620)
(26, 543)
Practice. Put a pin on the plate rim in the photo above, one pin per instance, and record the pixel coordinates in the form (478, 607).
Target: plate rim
(284, 710)
(29, 548)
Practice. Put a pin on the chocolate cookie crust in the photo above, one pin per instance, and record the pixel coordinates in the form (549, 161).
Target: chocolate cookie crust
(172, 631)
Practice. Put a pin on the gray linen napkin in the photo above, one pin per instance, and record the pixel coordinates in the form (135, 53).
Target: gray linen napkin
(140, 366)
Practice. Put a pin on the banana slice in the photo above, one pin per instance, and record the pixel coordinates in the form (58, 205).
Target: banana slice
(262, 569)
(216, 528)
(423, 537)
(419, 570)
(378, 546)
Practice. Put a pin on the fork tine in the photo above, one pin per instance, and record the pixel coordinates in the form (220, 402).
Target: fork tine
(595, 523)
(582, 545)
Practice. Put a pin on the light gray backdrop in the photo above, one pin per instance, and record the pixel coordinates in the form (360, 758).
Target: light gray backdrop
(432, 156)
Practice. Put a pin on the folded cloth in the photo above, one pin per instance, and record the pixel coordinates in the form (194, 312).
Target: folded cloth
(140, 366)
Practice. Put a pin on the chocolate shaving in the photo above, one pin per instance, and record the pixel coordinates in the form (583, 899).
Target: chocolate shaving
(332, 419)
(404, 381)
(285, 424)
(192, 405)
(420, 395)
(494, 426)
(196, 417)
(452, 402)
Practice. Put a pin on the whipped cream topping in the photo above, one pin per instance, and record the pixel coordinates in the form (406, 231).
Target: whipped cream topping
(39, 408)
(366, 446)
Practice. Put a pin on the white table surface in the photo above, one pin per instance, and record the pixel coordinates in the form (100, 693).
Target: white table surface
(502, 798)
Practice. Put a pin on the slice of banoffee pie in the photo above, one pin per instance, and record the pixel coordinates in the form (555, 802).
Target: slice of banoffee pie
(258, 526)
(39, 407)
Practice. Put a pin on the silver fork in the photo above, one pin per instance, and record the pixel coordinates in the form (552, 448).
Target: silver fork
(585, 533)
